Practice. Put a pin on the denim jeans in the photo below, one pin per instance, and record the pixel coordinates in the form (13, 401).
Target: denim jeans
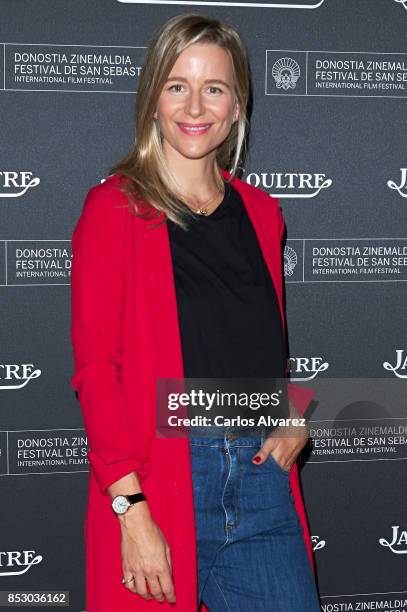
(251, 550)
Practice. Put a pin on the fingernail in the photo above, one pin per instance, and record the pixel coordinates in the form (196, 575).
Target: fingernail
(257, 459)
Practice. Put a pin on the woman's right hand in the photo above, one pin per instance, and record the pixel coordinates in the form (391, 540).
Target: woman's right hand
(146, 555)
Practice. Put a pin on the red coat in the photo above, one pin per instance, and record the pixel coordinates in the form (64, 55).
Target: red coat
(125, 335)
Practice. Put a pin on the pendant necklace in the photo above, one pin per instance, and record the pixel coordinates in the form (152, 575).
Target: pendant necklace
(204, 208)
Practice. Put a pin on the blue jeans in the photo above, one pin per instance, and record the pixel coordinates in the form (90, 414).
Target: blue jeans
(251, 550)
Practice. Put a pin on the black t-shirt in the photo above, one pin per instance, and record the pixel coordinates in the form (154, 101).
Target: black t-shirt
(228, 312)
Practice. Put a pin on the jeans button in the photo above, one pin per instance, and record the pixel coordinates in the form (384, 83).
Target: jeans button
(231, 436)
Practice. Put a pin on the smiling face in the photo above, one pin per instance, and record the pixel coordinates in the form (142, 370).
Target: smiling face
(197, 105)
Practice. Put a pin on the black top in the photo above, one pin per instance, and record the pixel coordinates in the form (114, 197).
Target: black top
(228, 312)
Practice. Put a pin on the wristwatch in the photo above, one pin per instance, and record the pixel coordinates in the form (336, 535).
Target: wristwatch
(121, 503)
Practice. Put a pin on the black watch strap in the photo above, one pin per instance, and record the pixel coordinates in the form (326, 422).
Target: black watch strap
(136, 497)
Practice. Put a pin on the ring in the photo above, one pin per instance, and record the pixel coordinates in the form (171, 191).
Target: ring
(127, 581)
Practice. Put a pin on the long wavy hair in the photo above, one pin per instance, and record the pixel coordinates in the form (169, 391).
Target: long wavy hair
(148, 181)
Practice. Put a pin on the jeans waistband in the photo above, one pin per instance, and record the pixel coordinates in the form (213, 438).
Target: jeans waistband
(201, 436)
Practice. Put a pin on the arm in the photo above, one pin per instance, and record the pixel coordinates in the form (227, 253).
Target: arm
(97, 279)
(97, 290)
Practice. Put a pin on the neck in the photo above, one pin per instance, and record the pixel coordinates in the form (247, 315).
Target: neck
(197, 177)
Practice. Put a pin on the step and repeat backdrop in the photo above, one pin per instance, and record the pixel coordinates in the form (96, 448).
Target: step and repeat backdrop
(328, 138)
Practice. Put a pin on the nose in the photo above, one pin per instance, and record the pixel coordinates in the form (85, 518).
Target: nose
(194, 104)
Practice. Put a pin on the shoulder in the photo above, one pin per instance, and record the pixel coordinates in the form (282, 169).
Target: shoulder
(108, 190)
(104, 210)
(106, 199)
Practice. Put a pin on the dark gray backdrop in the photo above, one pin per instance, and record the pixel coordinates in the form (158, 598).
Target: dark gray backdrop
(66, 135)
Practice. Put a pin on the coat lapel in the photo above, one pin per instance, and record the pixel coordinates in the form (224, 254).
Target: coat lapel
(261, 213)
(162, 299)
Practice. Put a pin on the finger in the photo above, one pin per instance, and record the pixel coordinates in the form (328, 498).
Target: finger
(130, 586)
(286, 463)
(263, 453)
(141, 586)
(283, 463)
(167, 586)
(155, 587)
(127, 574)
(168, 555)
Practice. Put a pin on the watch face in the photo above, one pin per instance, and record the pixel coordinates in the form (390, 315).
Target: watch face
(120, 504)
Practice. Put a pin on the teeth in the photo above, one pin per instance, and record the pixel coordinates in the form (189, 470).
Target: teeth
(196, 129)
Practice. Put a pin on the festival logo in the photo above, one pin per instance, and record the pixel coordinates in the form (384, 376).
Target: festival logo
(16, 376)
(403, 182)
(286, 73)
(291, 72)
(306, 368)
(290, 261)
(402, 2)
(80, 68)
(293, 259)
(14, 184)
(46, 450)
(290, 184)
(399, 369)
(317, 543)
(37, 262)
(398, 543)
(16, 562)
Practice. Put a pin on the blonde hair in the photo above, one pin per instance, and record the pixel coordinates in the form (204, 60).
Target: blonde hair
(149, 185)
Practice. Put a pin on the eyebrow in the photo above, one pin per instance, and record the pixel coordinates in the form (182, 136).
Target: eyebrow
(175, 78)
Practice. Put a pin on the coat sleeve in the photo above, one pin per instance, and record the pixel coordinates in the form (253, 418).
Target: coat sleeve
(97, 281)
(300, 396)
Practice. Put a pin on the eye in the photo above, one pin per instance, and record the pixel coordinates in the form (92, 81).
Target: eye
(172, 86)
(177, 87)
(217, 88)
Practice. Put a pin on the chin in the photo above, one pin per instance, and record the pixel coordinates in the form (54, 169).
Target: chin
(195, 154)
(191, 150)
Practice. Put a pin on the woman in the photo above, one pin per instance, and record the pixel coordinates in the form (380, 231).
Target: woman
(177, 272)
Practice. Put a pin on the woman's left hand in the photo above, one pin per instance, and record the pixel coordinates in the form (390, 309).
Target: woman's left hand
(285, 448)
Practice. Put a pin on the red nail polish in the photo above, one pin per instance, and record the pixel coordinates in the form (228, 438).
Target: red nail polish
(257, 459)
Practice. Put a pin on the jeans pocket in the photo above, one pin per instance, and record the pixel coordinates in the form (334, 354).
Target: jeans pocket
(271, 459)
(276, 463)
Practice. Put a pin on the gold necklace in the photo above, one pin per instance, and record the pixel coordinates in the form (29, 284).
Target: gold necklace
(204, 208)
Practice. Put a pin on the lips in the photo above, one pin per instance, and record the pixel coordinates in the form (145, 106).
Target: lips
(194, 129)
